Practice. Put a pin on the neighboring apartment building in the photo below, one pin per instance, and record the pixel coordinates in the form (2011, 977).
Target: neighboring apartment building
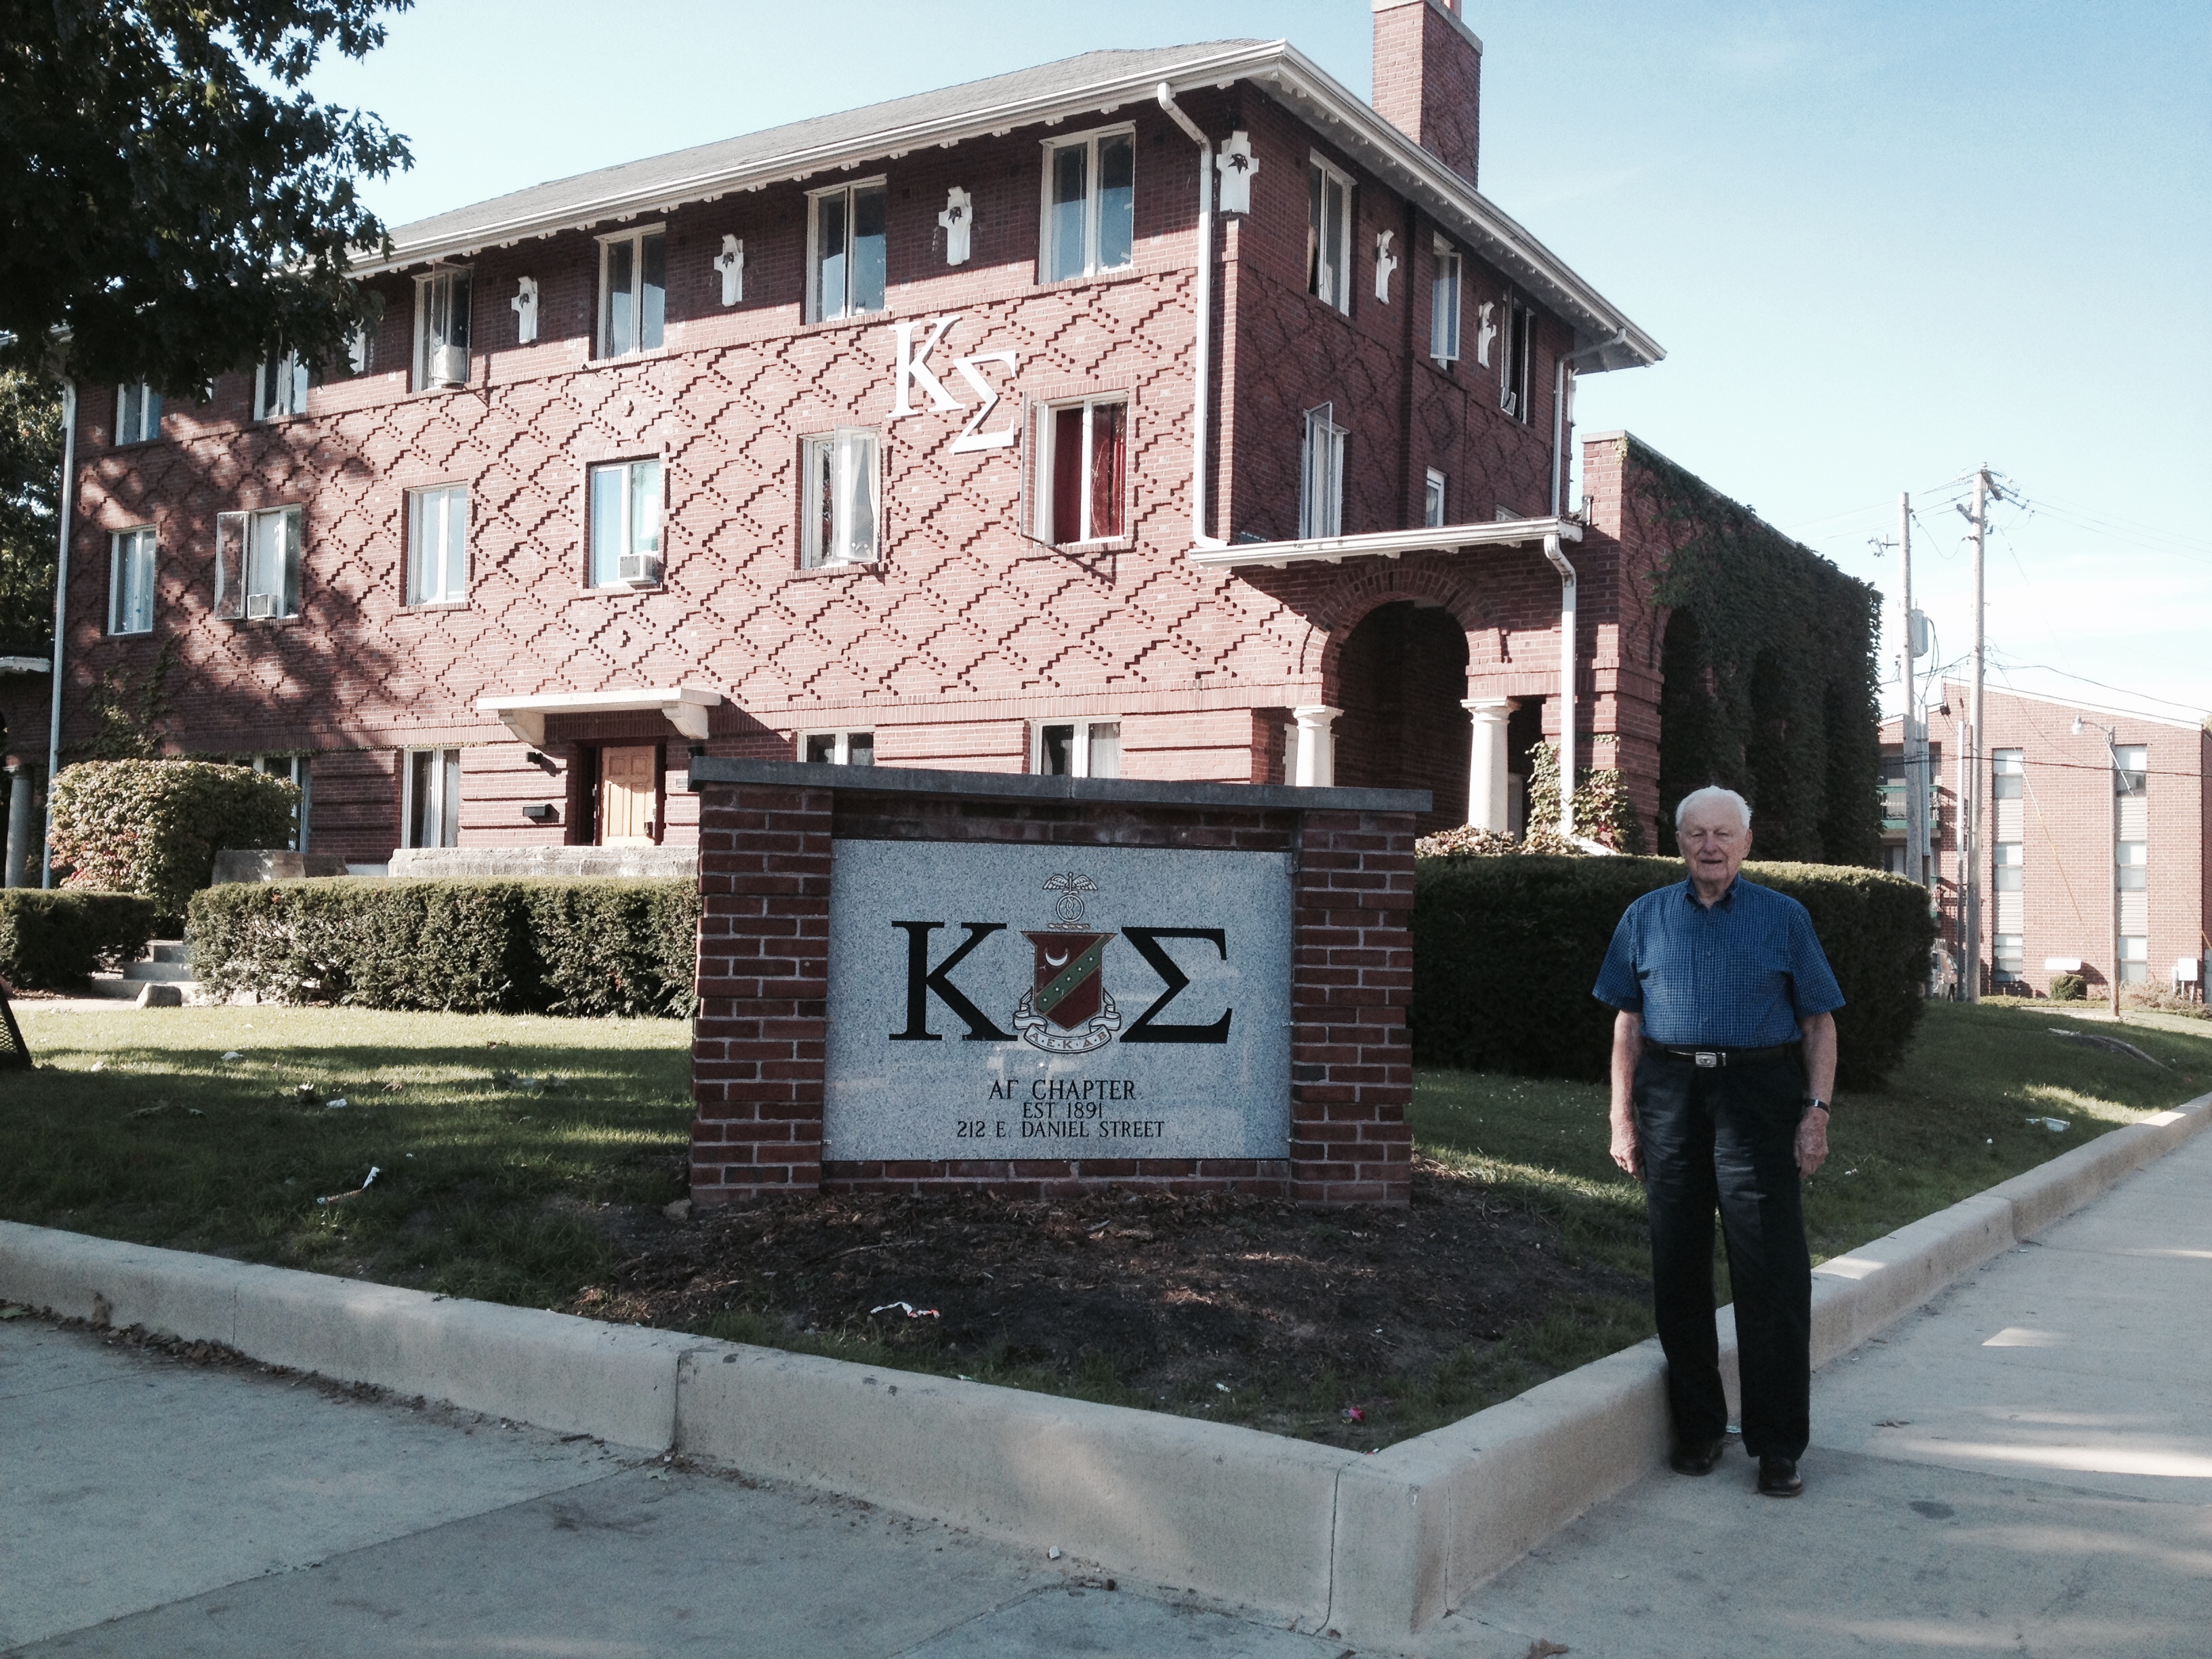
(2095, 832)
(1167, 413)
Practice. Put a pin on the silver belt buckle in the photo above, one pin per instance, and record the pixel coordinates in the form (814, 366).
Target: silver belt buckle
(1707, 1057)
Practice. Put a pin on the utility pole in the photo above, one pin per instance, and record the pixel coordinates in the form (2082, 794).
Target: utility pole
(1911, 732)
(1970, 814)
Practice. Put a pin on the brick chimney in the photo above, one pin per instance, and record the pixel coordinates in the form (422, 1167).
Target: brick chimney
(1428, 78)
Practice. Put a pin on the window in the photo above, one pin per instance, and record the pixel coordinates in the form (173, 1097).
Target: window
(633, 291)
(1321, 487)
(841, 498)
(1090, 205)
(846, 250)
(1443, 305)
(1077, 749)
(1085, 470)
(441, 329)
(2008, 955)
(2135, 959)
(2132, 867)
(2010, 765)
(438, 545)
(130, 582)
(1329, 235)
(294, 769)
(1432, 499)
(280, 387)
(839, 748)
(256, 564)
(2011, 867)
(2132, 771)
(431, 813)
(1520, 354)
(626, 524)
(137, 414)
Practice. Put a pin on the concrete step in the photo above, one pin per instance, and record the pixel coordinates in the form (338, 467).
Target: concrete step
(169, 949)
(164, 973)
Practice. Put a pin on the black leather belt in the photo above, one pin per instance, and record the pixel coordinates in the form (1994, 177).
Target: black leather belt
(1712, 1059)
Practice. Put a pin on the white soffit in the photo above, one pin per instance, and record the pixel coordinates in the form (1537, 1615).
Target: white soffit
(1386, 544)
(685, 706)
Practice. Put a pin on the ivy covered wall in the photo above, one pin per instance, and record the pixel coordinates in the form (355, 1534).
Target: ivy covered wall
(1766, 659)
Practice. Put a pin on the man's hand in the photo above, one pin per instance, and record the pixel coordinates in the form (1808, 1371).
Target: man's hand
(1812, 1141)
(1627, 1149)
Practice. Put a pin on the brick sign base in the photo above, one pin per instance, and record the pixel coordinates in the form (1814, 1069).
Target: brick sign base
(759, 1050)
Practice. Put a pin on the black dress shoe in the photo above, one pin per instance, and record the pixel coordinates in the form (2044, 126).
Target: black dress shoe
(1778, 1478)
(1697, 1457)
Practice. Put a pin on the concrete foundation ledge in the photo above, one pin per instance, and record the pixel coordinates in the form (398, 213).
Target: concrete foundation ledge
(1227, 1511)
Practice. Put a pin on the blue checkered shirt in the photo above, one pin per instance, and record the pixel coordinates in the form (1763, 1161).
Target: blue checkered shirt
(1739, 974)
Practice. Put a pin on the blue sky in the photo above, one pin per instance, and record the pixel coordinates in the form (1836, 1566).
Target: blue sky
(1882, 243)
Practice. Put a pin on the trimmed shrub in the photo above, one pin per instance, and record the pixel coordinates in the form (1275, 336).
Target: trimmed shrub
(580, 947)
(2068, 988)
(152, 828)
(53, 941)
(1506, 952)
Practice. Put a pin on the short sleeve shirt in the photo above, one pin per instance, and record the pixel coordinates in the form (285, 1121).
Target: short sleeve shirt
(1740, 974)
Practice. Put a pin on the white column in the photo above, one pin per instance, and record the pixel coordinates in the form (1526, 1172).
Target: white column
(1488, 769)
(1316, 745)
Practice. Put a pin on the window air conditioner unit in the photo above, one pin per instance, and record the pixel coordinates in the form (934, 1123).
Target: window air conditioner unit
(449, 366)
(638, 569)
(259, 605)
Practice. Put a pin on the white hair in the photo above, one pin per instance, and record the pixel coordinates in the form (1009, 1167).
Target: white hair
(1712, 792)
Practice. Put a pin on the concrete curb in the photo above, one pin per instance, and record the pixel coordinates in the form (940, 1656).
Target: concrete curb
(1377, 1547)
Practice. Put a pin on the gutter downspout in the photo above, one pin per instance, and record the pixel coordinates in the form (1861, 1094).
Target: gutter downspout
(1201, 405)
(1567, 683)
(61, 622)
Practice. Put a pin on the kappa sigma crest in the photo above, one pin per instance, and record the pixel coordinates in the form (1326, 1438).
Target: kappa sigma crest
(1068, 1009)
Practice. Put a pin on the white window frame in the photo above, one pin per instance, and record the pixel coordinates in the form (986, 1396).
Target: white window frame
(857, 447)
(1517, 373)
(242, 593)
(137, 414)
(428, 339)
(635, 236)
(1093, 196)
(2131, 762)
(280, 387)
(445, 799)
(134, 563)
(656, 492)
(1435, 498)
(1444, 304)
(2131, 866)
(2134, 959)
(817, 311)
(1320, 475)
(1330, 285)
(1046, 467)
(1083, 731)
(434, 507)
(297, 770)
(841, 748)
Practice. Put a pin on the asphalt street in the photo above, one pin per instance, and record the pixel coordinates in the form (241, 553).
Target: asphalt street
(2025, 1467)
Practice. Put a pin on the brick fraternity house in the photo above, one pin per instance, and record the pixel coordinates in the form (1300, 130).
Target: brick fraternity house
(2093, 846)
(1167, 414)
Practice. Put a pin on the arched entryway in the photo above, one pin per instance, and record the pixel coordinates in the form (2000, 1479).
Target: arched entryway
(1400, 679)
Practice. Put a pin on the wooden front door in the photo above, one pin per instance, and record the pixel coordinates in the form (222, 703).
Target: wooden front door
(629, 792)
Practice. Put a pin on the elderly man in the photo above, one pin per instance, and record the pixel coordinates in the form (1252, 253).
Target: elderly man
(1724, 1055)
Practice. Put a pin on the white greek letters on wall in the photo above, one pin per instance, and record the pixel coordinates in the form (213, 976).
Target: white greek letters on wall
(911, 372)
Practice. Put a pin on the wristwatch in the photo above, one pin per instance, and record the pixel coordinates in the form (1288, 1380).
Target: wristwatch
(1812, 1101)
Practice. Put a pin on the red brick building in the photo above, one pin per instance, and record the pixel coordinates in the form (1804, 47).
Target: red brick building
(2093, 842)
(1169, 414)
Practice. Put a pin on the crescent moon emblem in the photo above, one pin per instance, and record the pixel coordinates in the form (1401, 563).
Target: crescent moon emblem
(1060, 961)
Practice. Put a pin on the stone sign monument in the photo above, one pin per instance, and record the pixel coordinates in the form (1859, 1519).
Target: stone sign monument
(914, 978)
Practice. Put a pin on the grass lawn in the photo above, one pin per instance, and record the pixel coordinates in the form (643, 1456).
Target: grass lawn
(495, 1185)
(136, 1126)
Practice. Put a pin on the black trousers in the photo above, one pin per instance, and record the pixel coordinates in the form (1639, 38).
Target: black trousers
(1726, 1139)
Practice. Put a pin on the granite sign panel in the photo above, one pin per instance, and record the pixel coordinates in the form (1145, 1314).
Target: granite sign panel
(997, 1001)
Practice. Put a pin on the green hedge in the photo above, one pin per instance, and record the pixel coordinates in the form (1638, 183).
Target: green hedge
(1506, 952)
(152, 828)
(52, 941)
(580, 947)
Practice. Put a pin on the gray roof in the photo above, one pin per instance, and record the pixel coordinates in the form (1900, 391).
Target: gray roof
(1095, 84)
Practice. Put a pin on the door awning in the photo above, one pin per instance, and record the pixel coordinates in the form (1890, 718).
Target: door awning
(1386, 544)
(685, 706)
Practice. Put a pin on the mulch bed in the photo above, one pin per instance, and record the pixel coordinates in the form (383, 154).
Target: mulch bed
(1137, 1296)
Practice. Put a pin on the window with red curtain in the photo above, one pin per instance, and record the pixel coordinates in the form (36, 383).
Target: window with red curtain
(1089, 468)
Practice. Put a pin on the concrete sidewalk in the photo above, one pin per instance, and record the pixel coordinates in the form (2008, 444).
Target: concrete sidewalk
(2024, 1467)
